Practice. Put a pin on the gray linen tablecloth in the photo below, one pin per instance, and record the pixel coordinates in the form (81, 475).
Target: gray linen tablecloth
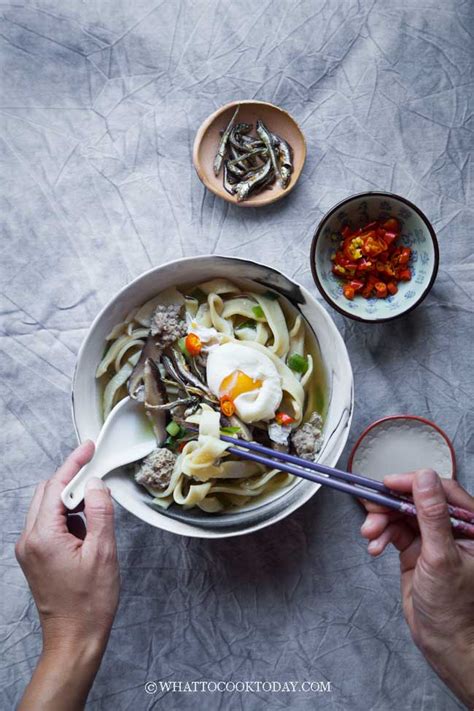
(100, 102)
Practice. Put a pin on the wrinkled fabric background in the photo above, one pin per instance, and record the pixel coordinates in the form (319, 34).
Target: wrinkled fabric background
(100, 102)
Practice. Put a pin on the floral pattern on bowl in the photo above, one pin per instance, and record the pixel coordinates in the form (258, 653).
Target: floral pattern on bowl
(416, 233)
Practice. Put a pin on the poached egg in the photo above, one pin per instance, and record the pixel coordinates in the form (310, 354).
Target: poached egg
(247, 378)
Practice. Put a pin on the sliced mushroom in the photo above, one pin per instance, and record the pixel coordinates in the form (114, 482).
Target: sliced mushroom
(135, 383)
(155, 395)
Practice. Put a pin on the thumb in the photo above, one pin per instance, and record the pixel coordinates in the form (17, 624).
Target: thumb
(433, 517)
(99, 512)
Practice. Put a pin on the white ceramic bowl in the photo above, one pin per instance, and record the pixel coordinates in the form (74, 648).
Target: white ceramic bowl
(417, 233)
(86, 394)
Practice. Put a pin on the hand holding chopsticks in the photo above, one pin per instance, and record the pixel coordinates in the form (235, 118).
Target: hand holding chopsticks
(462, 520)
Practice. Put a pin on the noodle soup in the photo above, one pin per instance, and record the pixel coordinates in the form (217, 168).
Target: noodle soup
(218, 356)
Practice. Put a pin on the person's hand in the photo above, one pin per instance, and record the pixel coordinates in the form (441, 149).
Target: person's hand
(437, 573)
(75, 585)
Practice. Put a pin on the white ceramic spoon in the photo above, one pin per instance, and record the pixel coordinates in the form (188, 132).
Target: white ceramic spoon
(125, 437)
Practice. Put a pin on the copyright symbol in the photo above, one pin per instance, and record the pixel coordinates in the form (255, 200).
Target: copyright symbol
(151, 687)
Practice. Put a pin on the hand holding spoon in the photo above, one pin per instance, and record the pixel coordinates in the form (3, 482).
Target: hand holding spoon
(125, 437)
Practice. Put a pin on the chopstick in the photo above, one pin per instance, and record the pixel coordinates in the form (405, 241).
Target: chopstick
(454, 511)
(462, 521)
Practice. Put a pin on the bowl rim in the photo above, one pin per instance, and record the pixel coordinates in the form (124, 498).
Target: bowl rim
(417, 418)
(318, 233)
(202, 175)
(306, 496)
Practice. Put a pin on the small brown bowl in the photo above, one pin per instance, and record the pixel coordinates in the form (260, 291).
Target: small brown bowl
(207, 141)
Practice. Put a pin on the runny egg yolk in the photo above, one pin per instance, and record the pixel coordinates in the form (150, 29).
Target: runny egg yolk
(238, 383)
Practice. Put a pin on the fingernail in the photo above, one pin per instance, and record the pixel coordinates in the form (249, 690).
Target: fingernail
(365, 527)
(95, 483)
(426, 479)
(373, 546)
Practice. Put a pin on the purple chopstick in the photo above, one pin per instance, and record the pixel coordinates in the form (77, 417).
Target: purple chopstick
(347, 482)
(454, 511)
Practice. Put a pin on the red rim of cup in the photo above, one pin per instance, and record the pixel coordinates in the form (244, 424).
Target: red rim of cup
(403, 417)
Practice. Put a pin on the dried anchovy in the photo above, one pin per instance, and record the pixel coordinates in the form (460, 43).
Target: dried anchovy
(191, 409)
(238, 157)
(253, 162)
(172, 372)
(223, 143)
(267, 138)
(239, 149)
(237, 134)
(236, 172)
(235, 168)
(243, 189)
(251, 142)
(193, 384)
(190, 390)
(175, 403)
(242, 128)
(256, 151)
(196, 370)
(228, 184)
(179, 363)
(285, 155)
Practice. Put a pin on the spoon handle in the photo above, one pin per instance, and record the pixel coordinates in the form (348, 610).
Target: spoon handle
(73, 493)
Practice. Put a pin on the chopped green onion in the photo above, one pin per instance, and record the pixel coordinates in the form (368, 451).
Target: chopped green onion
(246, 324)
(298, 363)
(230, 430)
(170, 442)
(198, 294)
(258, 312)
(173, 429)
(271, 295)
(182, 347)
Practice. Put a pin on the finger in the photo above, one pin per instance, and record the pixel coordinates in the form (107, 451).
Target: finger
(375, 523)
(409, 557)
(76, 460)
(407, 598)
(433, 518)
(400, 482)
(466, 544)
(397, 533)
(373, 508)
(457, 496)
(34, 507)
(52, 512)
(99, 512)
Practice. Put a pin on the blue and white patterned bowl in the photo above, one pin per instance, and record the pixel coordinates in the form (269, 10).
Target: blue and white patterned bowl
(416, 233)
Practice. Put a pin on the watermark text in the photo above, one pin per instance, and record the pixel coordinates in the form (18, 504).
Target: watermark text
(241, 687)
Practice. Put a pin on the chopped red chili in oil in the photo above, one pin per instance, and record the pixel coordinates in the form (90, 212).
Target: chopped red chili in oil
(370, 262)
